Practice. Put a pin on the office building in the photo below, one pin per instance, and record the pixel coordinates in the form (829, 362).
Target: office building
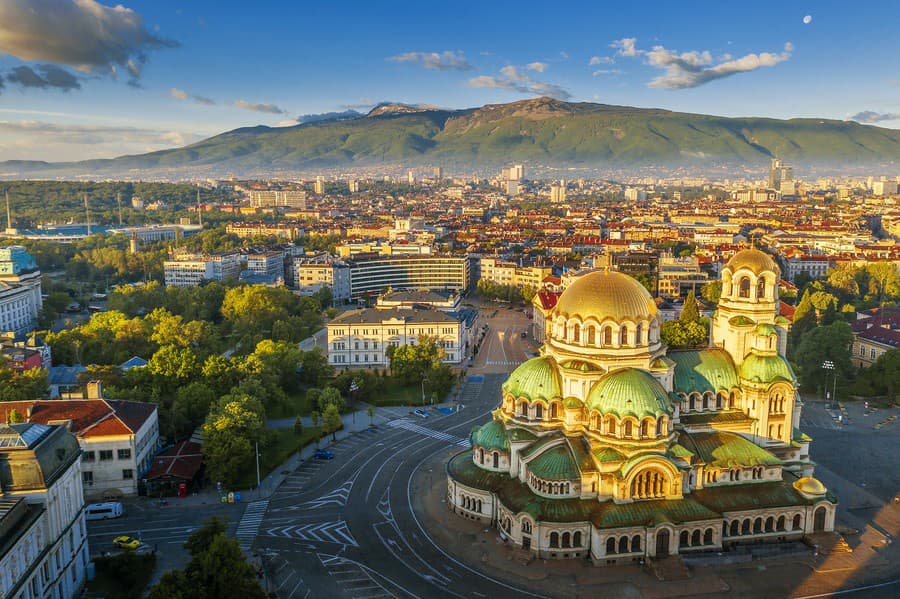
(43, 538)
(779, 174)
(186, 269)
(20, 290)
(511, 274)
(290, 231)
(268, 265)
(370, 275)
(635, 195)
(320, 185)
(294, 199)
(678, 275)
(558, 193)
(353, 186)
(313, 273)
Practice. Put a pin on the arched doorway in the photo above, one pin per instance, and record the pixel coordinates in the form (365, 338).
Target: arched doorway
(662, 543)
(819, 519)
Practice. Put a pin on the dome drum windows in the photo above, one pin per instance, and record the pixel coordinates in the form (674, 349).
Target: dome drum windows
(545, 487)
(649, 484)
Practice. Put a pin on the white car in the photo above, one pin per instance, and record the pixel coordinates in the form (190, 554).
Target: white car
(421, 413)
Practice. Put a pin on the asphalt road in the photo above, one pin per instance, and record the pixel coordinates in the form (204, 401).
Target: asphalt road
(346, 528)
(503, 347)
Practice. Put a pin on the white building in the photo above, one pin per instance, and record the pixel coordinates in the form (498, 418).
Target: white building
(635, 195)
(884, 188)
(278, 199)
(814, 266)
(312, 274)
(558, 193)
(20, 290)
(43, 539)
(118, 438)
(361, 337)
(268, 264)
(188, 270)
(320, 185)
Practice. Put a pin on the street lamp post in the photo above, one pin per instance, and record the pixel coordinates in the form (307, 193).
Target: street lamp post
(424, 380)
(829, 365)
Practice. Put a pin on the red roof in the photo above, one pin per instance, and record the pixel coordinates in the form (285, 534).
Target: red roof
(88, 417)
(786, 310)
(548, 299)
(181, 461)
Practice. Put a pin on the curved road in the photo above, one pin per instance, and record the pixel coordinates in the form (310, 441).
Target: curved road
(346, 528)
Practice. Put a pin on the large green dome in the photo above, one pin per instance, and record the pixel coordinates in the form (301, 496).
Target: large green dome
(491, 435)
(762, 368)
(537, 378)
(629, 392)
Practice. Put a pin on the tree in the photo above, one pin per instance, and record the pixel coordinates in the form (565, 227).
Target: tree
(277, 361)
(411, 362)
(203, 536)
(192, 403)
(324, 296)
(370, 411)
(690, 312)
(683, 335)
(331, 421)
(883, 377)
(830, 342)
(232, 427)
(298, 426)
(331, 397)
(172, 585)
(884, 281)
(178, 364)
(23, 386)
(314, 367)
(842, 279)
(804, 318)
(711, 291)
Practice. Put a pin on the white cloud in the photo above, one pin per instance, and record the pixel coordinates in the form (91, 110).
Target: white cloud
(625, 46)
(261, 107)
(82, 34)
(512, 79)
(600, 72)
(692, 69)
(439, 61)
(870, 117)
(540, 67)
(180, 94)
(595, 60)
(564, 55)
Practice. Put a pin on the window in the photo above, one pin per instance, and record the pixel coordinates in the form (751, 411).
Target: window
(862, 351)
(128, 474)
(88, 456)
(872, 353)
(105, 454)
(744, 288)
(87, 477)
(124, 454)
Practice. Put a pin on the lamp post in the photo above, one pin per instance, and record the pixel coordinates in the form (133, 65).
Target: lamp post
(829, 365)
(424, 380)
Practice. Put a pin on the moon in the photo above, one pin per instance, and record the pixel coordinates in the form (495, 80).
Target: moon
(807, 19)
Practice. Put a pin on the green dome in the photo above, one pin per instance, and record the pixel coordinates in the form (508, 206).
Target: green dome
(557, 463)
(491, 435)
(740, 321)
(704, 370)
(759, 368)
(535, 379)
(579, 365)
(766, 330)
(629, 392)
(573, 402)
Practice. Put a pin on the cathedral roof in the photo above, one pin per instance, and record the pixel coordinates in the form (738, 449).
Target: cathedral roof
(704, 370)
(535, 379)
(753, 259)
(810, 486)
(557, 463)
(766, 368)
(727, 450)
(603, 294)
(629, 392)
(491, 435)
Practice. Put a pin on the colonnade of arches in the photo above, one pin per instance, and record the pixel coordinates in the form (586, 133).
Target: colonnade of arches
(565, 540)
(759, 525)
(650, 484)
(608, 334)
(623, 544)
(549, 487)
(748, 286)
(696, 538)
(467, 502)
(709, 401)
(628, 427)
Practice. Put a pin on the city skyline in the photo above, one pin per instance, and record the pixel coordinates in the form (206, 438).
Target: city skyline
(145, 76)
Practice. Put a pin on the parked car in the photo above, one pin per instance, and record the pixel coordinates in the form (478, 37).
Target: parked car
(524, 335)
(421, 413)
(126, 542)
(323, 454)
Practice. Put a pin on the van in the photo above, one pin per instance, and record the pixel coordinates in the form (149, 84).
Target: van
(102, 511)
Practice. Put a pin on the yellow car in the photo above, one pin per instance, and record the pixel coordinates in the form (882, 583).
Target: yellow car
(126, 542)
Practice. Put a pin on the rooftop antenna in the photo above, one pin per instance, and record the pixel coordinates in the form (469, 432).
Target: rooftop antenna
(119, 204)
(8, 213)
(199, 213)
(87, 215)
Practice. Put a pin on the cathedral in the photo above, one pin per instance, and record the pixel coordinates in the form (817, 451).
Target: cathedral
(610, 447)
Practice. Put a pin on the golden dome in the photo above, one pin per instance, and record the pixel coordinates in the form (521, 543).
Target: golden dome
(810, 486)
(606, 294)
(757, 261)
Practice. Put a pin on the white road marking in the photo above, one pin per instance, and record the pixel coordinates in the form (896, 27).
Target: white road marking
(249, 524)
(412, 426)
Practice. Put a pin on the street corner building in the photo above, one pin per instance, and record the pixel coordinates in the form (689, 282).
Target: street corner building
(609, 446)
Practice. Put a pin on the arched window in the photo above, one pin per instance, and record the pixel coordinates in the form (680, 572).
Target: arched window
(705, 402)
(798, 522)
(744, 287)
(566, 539)
(779, 525)
(628, 430)
(745, 526)
(576, 539)
(553, 411)
(481, 455)
(731, 400)
(735, 528)
(607, 336)
(635, 543)
(591, 336)
(645, 429)
(757, 525)
(610, 546)
(610, 425)
(576, 334)
(649, 484)
(770, 524)
(708, 537)
(496, 460)
(523, 409)
(691, 405)
(623, 336)
(539, 412)
(526, 526)
(623, 545)
(554, 539)
(683, 539)
(660, 426)
(719, 401)
(761, 289)
(695, 538)
(638, 334)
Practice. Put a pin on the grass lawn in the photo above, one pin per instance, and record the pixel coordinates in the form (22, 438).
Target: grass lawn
(397, 394)
(285, 442)
(296, 405)
(121, 577)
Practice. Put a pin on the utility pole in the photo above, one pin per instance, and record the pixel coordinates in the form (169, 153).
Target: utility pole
(258, 490)
(8, 213)
(199, 213)
(119, 204)
(87, 215)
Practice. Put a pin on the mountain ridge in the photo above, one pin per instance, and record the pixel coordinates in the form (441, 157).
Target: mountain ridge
(541, 131)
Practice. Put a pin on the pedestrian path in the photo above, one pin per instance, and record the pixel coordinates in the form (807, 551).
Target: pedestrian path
(405, 423)
(249, 524)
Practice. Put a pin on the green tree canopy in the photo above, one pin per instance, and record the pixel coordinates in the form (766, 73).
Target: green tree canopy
(830, 342)
(690, 312)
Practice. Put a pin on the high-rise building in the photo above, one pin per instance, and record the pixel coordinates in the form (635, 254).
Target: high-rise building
(512, 187)
(353, 185)
(186, 269)
(438, 173)
(320, 185)
(411, 178)
(635, 195)
(558, 193)
(278, 199)
(779, 173)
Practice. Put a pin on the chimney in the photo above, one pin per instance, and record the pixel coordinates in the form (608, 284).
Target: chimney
(94, 390)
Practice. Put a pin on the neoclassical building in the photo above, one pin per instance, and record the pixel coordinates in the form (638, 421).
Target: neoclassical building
(610, 447)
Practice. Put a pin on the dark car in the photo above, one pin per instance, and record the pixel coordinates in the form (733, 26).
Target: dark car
(323, 454)
(524, 335)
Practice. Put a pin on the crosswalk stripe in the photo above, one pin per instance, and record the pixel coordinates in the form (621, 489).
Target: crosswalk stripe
(248, 527)
(413, 427)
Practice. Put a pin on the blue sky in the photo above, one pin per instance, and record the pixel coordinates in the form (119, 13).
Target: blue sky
(154, 74)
